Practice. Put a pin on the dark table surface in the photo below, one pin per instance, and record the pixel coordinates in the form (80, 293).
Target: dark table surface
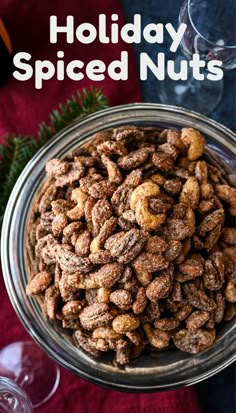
(217, 394)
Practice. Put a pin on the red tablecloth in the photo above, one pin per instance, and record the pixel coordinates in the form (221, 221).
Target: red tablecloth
(21, 109)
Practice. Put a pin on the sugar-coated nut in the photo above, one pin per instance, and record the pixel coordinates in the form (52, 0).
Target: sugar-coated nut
(127, 243)
(228, 235)
(124, 323)
(140, 301)
(139, 202)
(194, 141)
(230, 292)
(159, 288)
(190, 193)
(95, 315)
(56, 167)
(39, 283)
(157, 338)
(72, 309)
(106, 332)
(80, 198)
(122, 299)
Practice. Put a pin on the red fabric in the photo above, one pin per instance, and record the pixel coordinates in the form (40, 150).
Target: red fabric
(21, 109)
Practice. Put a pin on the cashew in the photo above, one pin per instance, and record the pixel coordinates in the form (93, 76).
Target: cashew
(114, 174)
(139, 202)
(157, 338)
(190, 193)
(145, 218)
(227, 194)
(230, 292)
(201, 172)
(94, 247)
(207, 191)
(190, 221)
(195, 141)
(146, 190)
(103, 295)
(80, 198)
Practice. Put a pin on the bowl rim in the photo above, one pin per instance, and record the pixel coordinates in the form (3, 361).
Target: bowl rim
(9, 282)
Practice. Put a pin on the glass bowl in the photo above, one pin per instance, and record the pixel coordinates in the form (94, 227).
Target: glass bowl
(157, 370)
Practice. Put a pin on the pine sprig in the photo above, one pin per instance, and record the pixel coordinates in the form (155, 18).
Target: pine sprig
(17, 151)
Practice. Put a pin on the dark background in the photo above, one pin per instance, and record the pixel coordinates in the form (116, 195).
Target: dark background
(217, 394)
(166, 11)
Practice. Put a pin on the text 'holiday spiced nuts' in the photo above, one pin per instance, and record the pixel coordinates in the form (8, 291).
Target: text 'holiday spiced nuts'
(108, 30)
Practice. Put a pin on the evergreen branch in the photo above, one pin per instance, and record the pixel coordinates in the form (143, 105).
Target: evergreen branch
(17, 151)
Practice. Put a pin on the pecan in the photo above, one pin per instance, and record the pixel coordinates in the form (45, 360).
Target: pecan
(155, 245)
(163, 161)
(197, 319)
(133, 159)
(70, 262)
(214, 272)
(211, 221)
(126, 246)
(120, 198)
(193, 341)
(192, 267)
(95, 315)
(159, 288)
(83, 341)
(76, 171)
(48, 196)
(101, 212)
(173, 250)
(127, 133)
(112, 148)
(173, 138)
(167, 324)
(199, 299)
(229, 236)
(170, 150)
(134, 178)
(56, 167)
(173, 186)
(102, 189)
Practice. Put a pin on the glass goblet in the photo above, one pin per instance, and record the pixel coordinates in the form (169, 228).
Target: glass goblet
(210, 33)
(31, 369)
(13, 399)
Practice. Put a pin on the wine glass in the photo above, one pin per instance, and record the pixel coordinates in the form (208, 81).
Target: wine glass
(31, 369)
(211, 33)
(12, 398)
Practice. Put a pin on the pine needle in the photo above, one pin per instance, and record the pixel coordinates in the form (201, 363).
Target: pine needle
(17, 151)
